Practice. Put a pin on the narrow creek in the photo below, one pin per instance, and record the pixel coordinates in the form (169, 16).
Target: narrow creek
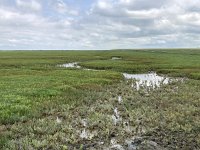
(149, 80)
(146, 82)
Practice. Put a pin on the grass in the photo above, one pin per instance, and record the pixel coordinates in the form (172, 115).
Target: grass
(34, 91)
(173, 62)
(22, 91)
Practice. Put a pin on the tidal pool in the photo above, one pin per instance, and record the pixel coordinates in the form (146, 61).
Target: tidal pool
(75, 65)
(147, 80)
(71, 65)
(116, 58)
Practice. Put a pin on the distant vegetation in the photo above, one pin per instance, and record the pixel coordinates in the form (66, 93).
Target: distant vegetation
(178, 62)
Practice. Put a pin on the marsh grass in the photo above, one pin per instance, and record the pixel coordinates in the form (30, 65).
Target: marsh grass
(168, 116)
(34, 91)
(175, 62)
(25, 90)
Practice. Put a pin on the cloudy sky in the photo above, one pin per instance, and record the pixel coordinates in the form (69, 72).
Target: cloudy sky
(99, 24)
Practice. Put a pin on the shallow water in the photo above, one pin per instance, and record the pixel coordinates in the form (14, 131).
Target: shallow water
(75, 65)
(71, 65)
(116, 58)
(120, 99)
(147, 80)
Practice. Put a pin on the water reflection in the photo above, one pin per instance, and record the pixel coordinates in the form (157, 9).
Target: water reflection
(71, 65)
(147, 80)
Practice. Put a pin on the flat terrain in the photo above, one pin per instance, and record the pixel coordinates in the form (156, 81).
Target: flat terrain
(42, 105)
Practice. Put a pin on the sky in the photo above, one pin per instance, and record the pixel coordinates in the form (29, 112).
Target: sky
(98, 24)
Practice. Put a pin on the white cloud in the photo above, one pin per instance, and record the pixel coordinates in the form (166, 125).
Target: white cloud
(15, 19)
(30, 31)
(190, 18)
(104, 5)
(164, 17)
(59, 24)
(144, 14)
(29, 5)
(63, 8)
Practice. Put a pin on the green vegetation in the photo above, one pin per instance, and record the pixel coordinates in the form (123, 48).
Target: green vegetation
(173, 62)
(34, 91)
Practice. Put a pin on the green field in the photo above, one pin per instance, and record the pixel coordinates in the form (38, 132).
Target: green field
(34, 91)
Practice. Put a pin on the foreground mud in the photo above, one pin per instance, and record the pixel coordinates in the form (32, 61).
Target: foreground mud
(118, 117)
